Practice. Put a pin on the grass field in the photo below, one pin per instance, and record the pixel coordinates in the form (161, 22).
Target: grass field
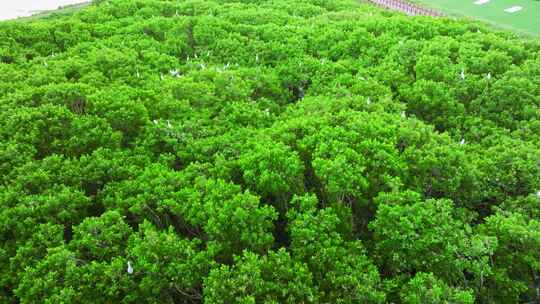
(526, 21)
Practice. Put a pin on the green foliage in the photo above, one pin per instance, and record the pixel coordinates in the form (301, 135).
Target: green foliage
(165, 266)
(101, 238)
(284, 151)
(426, 288)
(516, 259)
(275, 278)
(431, 236)
(273, 171)
(42, 280)
(342, 271)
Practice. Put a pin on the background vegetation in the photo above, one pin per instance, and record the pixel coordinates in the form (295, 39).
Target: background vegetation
(280, 151)
(525, 21)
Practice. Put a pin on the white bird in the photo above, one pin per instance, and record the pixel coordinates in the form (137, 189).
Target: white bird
(138, 74)
(257, 58)
(368, 101)
(196, 57)
(129, 268)
(462, 142)
(489, 76)
(174, 73)
(403, 115)
(161, 76)
(462, 75)
(155, 121)
(169, 124)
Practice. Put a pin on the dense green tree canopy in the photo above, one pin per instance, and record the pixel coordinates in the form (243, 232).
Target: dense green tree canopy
(269, 151)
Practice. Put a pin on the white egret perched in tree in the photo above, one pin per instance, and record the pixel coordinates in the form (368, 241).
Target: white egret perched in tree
(129, 268)
(462, 75)
(489, 76)
(462, 142)
(174, 73)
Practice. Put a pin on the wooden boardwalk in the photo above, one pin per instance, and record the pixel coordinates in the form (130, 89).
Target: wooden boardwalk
(406, 7)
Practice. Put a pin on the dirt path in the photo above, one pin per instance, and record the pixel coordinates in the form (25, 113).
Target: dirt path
(406, 7)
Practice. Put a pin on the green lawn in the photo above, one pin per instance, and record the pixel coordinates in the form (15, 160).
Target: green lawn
(526, 20)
